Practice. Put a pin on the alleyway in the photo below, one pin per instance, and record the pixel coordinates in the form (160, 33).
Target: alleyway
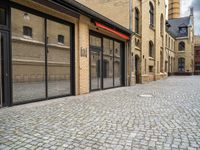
(160, 115)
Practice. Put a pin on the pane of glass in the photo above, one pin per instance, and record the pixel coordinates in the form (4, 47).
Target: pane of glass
(1, 48)
(2, 16)
(95, 72)
(58, 59)
(95, 41)
(107, 63)
(28, 57)
(117, 63)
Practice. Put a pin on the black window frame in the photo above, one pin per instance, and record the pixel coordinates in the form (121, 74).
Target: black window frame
(4, 18)
(5, 6)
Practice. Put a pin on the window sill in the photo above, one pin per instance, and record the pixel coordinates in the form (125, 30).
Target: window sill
(138, 34)
(27, 37)
(151, 58)
(62, 44)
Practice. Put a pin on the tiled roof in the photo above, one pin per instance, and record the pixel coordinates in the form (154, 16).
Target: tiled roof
(176, 24)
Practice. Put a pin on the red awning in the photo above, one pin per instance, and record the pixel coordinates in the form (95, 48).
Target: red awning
(112, 30)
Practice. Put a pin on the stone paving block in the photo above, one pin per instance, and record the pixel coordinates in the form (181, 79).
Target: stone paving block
(111, 119)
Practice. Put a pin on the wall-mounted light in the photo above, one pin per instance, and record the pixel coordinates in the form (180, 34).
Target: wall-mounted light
(26, 17)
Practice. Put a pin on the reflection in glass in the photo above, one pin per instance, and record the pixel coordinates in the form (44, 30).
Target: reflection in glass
(1, 48)
(95, 41)
(117, 63)
(107, 63)
(95, 72)
(58, 59)
(2, 16)
(28, 58)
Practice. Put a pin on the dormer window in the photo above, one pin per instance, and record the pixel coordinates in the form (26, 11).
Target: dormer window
(182, 30)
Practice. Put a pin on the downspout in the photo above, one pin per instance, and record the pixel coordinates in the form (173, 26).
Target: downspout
(130, 41)
(155, 44)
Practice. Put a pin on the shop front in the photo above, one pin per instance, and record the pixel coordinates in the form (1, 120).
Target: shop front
(52, 49)
(106, 62)
(37, 53)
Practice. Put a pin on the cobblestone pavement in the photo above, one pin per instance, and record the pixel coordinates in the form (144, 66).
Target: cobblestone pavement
(111, 119)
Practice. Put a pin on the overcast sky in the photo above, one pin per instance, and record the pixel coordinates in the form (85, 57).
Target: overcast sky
(185, 11)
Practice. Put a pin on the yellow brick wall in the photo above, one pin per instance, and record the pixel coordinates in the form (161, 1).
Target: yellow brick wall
(116, 10)
(84, 61)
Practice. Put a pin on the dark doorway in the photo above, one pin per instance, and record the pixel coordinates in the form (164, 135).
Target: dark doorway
(137, 69)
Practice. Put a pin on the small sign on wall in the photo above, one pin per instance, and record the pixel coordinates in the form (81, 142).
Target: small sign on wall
(84, 52)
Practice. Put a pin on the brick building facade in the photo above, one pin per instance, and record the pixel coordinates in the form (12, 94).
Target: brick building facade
(58, 48)
(53, 49)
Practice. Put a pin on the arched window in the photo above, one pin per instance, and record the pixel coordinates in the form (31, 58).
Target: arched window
(151, 49)
(161, 25)
(181, 46)
(181, 64)
(27, 31)
(151, 13)
(137, 23)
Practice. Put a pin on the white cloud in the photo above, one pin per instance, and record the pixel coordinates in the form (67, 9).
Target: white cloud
(185, 7)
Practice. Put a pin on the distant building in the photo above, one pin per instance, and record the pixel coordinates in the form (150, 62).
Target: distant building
(174, 9)
(197, 56)
(182, 30)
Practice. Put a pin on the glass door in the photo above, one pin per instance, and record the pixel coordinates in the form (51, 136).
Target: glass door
(95, 62)
(28, 56)
(95, 70)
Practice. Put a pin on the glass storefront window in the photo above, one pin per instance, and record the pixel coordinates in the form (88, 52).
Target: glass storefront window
(107, 63)
(28, 58)
(2, 16)
(117, 63)
(95, 41)
(58, 59)
(36, 60)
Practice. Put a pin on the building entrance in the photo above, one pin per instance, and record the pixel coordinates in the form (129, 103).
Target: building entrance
(106, 62)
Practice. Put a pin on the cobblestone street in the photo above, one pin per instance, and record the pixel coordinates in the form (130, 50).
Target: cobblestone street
(121, 118)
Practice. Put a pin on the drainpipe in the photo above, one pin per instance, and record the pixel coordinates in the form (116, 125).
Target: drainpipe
(130, 42)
